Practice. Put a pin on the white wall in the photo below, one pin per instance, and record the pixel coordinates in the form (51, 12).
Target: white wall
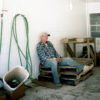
(93, 7)
(1, 6)
(53, 16)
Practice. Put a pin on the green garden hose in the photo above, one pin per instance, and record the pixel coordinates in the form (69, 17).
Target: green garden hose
(14, 34)
(1, 30)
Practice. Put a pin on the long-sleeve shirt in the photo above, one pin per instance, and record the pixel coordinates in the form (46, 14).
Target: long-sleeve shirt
(46, 51)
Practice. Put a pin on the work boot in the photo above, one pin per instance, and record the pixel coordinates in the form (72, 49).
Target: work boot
(87, 68)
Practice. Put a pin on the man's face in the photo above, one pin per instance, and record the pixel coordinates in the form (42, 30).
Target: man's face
(44, 38)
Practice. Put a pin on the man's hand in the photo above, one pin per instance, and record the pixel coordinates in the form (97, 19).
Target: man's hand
(58, 59)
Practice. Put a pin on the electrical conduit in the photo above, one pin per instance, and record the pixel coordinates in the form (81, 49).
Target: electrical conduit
(1, 31)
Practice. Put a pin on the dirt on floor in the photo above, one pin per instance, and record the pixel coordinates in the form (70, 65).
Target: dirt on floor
(85, 90)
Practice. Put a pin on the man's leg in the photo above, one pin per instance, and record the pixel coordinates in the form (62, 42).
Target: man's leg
(70, 62)
(50, 63)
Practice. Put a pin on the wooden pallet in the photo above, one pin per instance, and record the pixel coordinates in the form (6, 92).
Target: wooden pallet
(74, 41)
(47, 81)
(67, 74)
(75, 81)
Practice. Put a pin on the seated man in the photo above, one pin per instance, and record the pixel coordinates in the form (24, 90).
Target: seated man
(49, 58)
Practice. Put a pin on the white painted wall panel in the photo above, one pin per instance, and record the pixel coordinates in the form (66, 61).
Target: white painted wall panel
(53, 16)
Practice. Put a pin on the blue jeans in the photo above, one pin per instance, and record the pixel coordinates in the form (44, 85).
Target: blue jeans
(50, 63)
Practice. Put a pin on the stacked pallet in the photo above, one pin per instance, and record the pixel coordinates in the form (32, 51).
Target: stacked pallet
(45, 78)
(71, 75)
(68, 75)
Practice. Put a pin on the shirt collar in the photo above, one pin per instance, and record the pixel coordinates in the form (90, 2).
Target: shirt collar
(43, 43)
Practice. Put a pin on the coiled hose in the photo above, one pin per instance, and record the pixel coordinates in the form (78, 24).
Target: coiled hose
(20, 52)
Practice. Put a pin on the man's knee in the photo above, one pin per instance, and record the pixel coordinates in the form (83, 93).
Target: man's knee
(53, 65)
(67, 59)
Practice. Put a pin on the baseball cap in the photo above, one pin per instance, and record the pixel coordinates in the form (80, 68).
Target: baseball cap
(44, 34)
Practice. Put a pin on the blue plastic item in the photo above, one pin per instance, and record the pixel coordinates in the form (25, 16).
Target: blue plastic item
(1, 84)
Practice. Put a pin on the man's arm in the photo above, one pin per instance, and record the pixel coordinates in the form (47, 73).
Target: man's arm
(41, 54)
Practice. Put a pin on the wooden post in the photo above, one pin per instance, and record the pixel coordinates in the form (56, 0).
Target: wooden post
(65, 49)
(74, 49)
(88, 48)
(94, 51)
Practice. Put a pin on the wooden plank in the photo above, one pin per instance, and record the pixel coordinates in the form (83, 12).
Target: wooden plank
(65, 50)
(77, 40)
(91, 53)
(70, 51)
(45, 71)
(88, 48)
(69, 73)
(82, 59)
(71, 79)
(65, 40)
(84, 77)
(67, 67)
(74, 46)
(73, 82)
(80, 39)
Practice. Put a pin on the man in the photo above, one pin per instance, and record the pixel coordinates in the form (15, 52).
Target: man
(49, 58)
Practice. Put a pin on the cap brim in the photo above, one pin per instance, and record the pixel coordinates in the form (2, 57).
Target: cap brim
(48, 35)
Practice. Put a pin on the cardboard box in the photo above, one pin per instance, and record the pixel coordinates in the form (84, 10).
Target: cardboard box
(17, 94)
(2, 95)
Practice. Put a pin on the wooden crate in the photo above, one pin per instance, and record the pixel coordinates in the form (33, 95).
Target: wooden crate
(74, 41)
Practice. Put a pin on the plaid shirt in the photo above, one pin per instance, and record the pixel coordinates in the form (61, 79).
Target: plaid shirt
(46, 52)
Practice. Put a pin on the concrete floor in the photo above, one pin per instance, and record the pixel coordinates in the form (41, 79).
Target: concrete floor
(86, 90)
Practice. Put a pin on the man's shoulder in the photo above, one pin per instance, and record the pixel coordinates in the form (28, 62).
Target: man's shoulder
(39, 44)
(49, 43)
